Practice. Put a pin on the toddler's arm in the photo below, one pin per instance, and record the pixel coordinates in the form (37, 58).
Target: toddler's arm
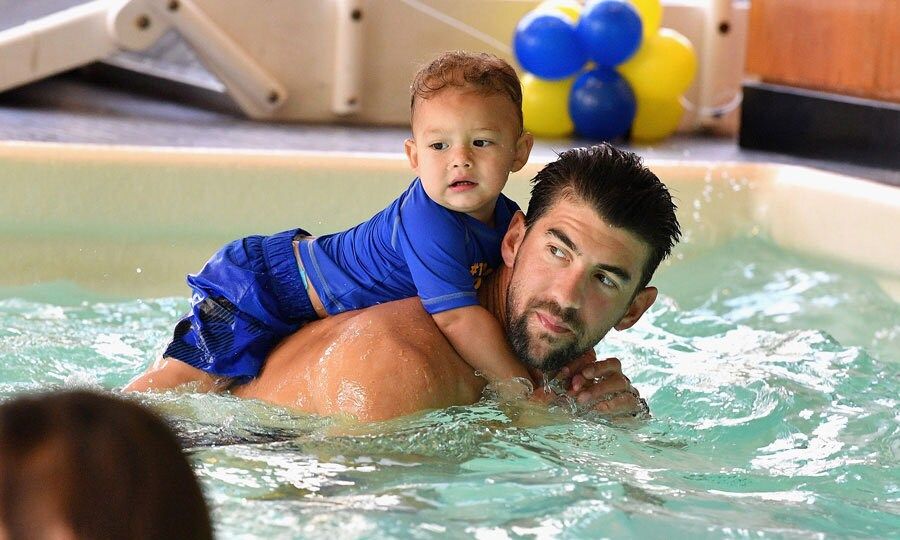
(478, 337)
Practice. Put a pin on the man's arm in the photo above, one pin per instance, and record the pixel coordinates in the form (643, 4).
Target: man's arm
(479, 339)
(169, 373)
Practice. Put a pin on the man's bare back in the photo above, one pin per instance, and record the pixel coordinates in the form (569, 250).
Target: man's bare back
(378, 363)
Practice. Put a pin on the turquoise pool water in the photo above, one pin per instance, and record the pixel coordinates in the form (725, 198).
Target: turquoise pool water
(773, 380)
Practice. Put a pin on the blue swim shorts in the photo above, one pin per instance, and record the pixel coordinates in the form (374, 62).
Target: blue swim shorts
(247, 298)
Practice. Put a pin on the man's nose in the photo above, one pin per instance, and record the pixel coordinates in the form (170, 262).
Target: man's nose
(568, 288)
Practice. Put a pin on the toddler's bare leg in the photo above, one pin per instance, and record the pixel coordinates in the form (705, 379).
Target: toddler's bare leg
(169, 373)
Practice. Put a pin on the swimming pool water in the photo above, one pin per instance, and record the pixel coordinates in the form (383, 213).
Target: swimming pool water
(773, 381)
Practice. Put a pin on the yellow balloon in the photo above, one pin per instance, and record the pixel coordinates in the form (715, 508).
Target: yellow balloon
(545, 106)
(664, 66)
(571, 8)
(651, 14)
(656, 118)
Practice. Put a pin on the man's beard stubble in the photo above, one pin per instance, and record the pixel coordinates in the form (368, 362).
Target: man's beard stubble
(517, 333)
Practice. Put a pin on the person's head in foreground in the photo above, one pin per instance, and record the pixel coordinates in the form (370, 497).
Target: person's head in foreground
(467, 134)
(83, 465)
(598, 225)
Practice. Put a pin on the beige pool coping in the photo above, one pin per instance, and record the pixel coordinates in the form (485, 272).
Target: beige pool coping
(66, 204)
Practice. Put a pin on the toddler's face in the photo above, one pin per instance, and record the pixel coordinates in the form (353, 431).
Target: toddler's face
(464, 146)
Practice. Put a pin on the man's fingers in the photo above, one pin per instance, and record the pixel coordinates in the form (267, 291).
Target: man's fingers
(578, 382)
(609, 386)
(623, 404)
(602, 368)
(578, 364)
(602, 386)
(587, 367)
(598, 373)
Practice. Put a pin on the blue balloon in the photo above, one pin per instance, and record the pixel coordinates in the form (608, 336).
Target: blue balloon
(546, 45)
(602, 105)
(610, 31)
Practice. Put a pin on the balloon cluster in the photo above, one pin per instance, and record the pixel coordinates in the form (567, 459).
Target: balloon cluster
(602, 69)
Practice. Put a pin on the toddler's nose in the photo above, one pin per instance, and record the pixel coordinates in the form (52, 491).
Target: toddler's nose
(461, 158)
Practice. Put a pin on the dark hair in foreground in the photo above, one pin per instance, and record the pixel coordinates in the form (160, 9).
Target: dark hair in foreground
(485, 73)
(624, 192)
(100, 466)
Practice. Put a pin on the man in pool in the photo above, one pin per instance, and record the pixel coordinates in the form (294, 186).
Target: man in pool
(598, 225)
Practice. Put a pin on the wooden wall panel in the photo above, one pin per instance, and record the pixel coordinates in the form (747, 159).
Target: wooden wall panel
(887, 81)
(845, 46)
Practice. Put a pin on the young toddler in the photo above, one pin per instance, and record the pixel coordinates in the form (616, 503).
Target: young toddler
(437, 241)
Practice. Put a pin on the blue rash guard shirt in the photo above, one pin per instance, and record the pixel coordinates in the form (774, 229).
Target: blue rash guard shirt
(414, 247)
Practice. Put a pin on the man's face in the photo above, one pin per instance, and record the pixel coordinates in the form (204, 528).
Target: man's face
(573, 278)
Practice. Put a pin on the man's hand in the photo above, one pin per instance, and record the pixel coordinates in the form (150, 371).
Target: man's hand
(602, 386)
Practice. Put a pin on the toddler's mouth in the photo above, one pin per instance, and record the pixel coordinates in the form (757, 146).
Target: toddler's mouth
(462, 184)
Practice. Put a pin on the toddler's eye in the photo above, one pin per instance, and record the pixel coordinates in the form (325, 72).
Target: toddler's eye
(481, 143)
(438, 146)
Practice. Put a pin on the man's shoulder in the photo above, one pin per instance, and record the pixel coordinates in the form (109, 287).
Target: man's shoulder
(398, 316)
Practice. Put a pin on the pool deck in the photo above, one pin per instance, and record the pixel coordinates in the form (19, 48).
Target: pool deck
(69, 109)
(140, 106)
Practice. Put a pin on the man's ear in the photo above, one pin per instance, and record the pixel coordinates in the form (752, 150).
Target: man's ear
(523, 150)
(509, 246)
(412, 153)
(641, 303)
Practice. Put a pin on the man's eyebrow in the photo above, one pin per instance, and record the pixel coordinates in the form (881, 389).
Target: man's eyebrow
(564, 238)
(623, 274)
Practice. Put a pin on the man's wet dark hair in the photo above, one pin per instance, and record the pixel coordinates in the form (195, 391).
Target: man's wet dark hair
(103, 467)
(618, 186)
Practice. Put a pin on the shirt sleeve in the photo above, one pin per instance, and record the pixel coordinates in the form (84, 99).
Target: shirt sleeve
(434, 243)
